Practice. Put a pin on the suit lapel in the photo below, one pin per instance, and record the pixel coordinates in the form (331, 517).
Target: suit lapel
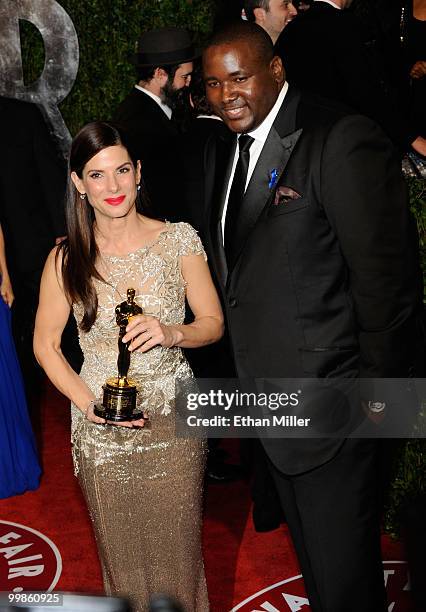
(218, 162)
(274, 157)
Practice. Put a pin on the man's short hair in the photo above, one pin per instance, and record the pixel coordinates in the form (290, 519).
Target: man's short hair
(249, 32)
(250, 5)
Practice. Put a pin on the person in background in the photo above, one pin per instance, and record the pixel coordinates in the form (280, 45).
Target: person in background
(214, 361)
(324, 52)
(32, 189)
(413, 41)
(19, 467)
(303, 5)
(143, 484)
(164, 63)
(199, 127)
(272, 15)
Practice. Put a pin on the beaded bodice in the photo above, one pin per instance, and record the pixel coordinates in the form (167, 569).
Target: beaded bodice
(155, 272)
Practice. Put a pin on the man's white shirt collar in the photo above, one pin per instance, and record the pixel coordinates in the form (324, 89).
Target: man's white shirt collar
(166, 109)
(331, 3)
(201, 116)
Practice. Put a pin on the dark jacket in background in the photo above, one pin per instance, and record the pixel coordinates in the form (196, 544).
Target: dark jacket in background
(32, 187)
(192, 147)
(32, 190)
(325, 51)
(154, 139)
(214, 360)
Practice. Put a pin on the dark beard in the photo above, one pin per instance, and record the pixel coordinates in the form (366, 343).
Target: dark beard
(169, 94)
(183, 112)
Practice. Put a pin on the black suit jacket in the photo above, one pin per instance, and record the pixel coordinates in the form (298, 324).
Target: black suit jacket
(324, 51)
(325, 284)
(32, 187)
(32, 190)
(214, 360)
(154, 139)
(192, 146)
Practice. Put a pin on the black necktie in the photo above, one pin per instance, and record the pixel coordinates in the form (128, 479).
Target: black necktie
(236, 193)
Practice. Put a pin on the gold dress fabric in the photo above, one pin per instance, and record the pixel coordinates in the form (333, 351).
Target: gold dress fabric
(143, 487)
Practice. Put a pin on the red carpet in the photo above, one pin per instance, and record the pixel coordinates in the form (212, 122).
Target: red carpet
(239, 562)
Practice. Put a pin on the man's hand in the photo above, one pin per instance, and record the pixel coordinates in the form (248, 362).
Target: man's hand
(419, 145)
(418, 70)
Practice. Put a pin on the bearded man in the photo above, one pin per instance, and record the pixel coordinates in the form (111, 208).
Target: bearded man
(164, 66)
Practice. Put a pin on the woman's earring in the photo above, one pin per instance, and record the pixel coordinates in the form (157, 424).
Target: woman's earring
(138, 187)
(82, 196)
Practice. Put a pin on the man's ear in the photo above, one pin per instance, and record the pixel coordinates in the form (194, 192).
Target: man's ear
(277, 69)
(259, 15)
(161, 76)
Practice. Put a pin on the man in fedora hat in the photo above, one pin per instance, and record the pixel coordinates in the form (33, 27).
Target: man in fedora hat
(164, 66)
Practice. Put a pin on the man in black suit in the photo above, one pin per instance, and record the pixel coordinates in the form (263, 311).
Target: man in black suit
(203, 125)
(164, 67)
(32, 188)
(324, 52)
(309, 235)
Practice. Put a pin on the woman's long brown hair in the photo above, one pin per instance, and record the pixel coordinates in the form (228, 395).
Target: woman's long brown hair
(79, 251)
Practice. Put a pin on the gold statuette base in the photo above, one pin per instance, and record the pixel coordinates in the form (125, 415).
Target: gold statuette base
(119, 401)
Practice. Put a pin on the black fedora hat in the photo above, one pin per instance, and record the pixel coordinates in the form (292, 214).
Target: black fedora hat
(164, 47)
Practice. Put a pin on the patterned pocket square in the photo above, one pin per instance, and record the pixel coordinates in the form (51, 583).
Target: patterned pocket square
(284, 195)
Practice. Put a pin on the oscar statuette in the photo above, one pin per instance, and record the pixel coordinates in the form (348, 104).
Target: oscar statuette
(119, 398)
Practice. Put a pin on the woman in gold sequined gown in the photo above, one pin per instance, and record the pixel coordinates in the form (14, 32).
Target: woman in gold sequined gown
(142, 484)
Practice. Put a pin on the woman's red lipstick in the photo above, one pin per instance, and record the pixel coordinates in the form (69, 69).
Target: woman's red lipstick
(115, 201)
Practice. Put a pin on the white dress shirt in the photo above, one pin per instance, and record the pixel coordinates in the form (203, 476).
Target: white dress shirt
(330, 2)
(158, 100)
(260, 134)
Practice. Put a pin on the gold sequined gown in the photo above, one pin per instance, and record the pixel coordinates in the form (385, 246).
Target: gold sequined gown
(143, 487)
